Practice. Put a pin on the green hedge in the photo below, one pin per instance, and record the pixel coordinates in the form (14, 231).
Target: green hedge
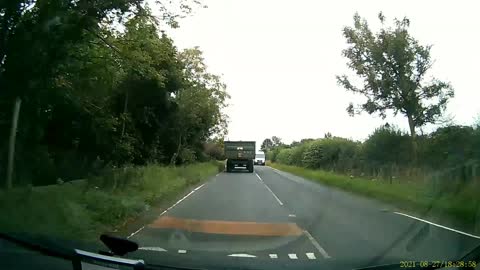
(452, 151)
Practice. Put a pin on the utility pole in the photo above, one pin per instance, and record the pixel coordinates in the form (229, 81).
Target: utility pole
(124, 113)
(11, 145)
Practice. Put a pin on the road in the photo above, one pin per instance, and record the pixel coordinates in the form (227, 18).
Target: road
(277, 216)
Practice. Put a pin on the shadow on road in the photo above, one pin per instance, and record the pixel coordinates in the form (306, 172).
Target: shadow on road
(237, 170)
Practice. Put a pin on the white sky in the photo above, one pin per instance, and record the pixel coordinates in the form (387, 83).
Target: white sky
(279, 59)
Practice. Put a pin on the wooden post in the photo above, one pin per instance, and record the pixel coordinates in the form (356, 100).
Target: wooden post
(11, 144)
(124, 113)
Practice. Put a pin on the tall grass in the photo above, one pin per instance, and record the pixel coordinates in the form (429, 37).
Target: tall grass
(458, 202)
(82, 211)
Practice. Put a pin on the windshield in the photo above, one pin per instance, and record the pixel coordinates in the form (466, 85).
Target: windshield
(140, 119)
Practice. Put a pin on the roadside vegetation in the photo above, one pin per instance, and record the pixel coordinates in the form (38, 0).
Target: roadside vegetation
(85, 209)
(444, 182)
(92, 85)
(453, 203)
(410, 169)
(449, 154)
(97, 91)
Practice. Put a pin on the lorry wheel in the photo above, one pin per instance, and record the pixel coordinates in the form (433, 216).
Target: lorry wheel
(250, 166)
(228, 167)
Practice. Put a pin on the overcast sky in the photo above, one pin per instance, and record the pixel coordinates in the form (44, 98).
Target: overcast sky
(279, 60)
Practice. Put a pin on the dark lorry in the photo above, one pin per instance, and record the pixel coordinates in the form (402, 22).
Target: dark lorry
(240, 154)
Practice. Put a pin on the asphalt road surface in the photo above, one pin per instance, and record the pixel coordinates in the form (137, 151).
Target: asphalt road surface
(277, 216)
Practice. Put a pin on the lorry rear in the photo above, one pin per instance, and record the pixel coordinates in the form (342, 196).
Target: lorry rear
(239, 154)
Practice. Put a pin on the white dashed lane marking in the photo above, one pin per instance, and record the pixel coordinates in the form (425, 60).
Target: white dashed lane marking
(243, 255)
(293, 256)
(275, 196)
(311, 256)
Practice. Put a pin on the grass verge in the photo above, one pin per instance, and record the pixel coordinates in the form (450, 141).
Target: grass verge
(457, 203)
(83, 211)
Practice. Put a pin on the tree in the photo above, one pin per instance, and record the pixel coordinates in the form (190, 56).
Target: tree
(387, 145)
(153, 75)
(393, 67)
(200, 103)
(101, 73)
(307, 140)
(267, 144)
(276, 141)
(294, 144)
(329, 153)
(35, 37)
(451, 146)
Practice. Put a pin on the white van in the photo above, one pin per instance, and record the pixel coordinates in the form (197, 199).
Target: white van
(259, 159)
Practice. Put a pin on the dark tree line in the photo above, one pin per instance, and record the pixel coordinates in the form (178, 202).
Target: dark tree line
(98, 85)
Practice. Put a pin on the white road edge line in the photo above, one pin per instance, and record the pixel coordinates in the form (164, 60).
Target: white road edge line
(199, 187)
(293, 256)
(273, 256)
(311, 256)
(169, 208)
(316, 245)
(438, 225)
(273, 169)
(135, 232)
(258, 176)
